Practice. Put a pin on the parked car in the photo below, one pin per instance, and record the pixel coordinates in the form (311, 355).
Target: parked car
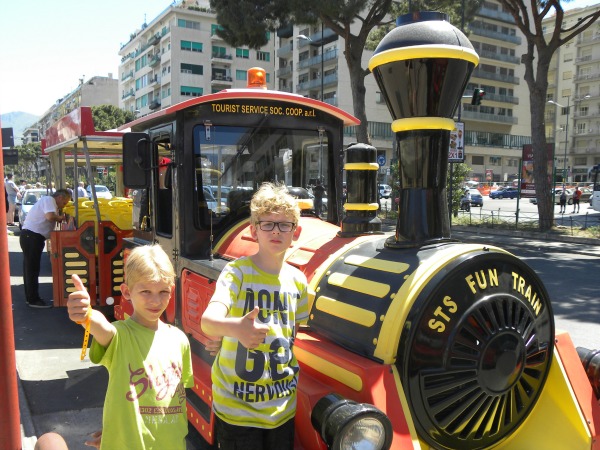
(385, 190)
(586, 195)
(557, 195)
(30, 198)
(476, 197)
(505, 192)
(101, 191)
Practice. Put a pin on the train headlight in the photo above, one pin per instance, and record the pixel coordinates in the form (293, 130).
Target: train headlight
(346, 425)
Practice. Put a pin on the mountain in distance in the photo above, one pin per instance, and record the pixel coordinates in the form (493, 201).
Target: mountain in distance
(18, 121)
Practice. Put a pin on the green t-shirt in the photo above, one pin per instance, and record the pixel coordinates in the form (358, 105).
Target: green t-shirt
(145, 405)
(257, 388)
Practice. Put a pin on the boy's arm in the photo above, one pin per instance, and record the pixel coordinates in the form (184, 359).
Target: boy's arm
(78, 307)
(215, 323)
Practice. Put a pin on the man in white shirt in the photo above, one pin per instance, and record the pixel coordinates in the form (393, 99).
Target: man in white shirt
(40, 221)
(81, 190)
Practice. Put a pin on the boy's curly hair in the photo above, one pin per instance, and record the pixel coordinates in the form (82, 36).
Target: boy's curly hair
(273, 198)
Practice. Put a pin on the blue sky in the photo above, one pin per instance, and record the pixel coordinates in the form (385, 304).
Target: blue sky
(47, 46)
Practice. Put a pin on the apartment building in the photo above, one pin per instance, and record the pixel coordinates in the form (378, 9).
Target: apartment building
(98, 90)
(495, 131)
(573, 119)
(178, 55)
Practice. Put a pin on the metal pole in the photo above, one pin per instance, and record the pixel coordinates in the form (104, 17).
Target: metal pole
(566, 142)
(10, 431)
(322, 63)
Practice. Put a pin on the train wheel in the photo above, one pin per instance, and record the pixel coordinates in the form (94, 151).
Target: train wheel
(477, 352)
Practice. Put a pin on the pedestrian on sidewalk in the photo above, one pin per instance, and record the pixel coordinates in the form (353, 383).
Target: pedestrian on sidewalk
(40, 221)
(576, 197)
(149, 362)
(563, 202)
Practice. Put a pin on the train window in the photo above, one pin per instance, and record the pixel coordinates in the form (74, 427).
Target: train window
(231, 162)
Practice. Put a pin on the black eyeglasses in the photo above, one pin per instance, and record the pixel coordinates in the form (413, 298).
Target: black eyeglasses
(284, 227)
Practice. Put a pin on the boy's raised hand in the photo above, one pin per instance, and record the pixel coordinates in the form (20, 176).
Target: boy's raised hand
(79, 301)
(252, 334)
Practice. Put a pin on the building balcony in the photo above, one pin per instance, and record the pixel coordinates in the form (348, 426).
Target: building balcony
(587, 40)
(495, 14)
(286, 31)
(219, 79)
(587, 76)
(285, 88)
(316, 60)
(153, 80)
(502, 98)
(588, 59)
(154, 39)
(285, 50)
(127, 75)
(316, 40)
(500, 57)
(329, 80)
(154, 104)
(484, 117)
(285, 72)
(589, 132)
(221, 57)
(127, 94)
(495, 35)
(155, 60)
(495, 76)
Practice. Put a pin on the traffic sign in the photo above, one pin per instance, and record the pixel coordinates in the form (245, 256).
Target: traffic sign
(381, 160)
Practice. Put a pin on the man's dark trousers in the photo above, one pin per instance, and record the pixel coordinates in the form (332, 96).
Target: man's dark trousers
(32, 245)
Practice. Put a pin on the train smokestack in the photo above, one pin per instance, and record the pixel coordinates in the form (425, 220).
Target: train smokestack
(422, 68)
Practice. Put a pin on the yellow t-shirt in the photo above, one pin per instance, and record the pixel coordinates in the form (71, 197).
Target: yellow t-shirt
(257, 388)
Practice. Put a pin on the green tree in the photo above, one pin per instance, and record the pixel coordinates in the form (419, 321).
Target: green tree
(28, 167)
(245, 22)
(109, 117)
(541, 46)
(455, 184)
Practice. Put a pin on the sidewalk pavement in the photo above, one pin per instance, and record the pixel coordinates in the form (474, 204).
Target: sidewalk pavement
(76, 425)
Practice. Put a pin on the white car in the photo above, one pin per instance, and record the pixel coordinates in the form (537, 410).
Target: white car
(385, 190)
(30, 198)
(101, 192)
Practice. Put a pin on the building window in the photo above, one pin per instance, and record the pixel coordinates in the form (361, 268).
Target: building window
(191, 91)
(263, 56)
(242, 53)
(379, 97)
(194, 69)
(218, 52)
(477, 160)
(213, 29)
(182, 23)
(495, 160)
(241, 75)
(191, 46)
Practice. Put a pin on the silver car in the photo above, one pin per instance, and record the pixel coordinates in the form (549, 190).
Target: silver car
(30, 198)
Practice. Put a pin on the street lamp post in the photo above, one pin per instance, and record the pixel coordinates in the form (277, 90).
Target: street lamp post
(321, 45)
(566, 131)
(566, 136)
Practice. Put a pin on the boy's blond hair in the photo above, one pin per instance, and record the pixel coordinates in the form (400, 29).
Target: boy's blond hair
(273, 198)
(148, 263)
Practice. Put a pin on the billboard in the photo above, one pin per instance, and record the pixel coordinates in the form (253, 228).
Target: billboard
(527, 179)
(456, 152)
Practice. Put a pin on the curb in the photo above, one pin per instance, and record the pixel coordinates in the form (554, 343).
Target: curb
(557, 237)
(28, 433)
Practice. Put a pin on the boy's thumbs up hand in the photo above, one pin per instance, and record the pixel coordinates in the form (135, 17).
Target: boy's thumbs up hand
(78, 303)
(252, 334)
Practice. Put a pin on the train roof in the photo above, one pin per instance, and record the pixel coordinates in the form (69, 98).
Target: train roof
(75, 132)
(248, 93)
